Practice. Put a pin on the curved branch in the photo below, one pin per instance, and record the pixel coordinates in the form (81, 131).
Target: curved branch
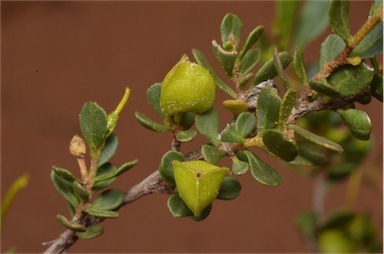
(151, 184)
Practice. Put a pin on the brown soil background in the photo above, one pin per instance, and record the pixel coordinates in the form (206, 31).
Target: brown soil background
(58, 55)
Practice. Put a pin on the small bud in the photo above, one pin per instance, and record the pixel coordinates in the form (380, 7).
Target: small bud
(77, 147)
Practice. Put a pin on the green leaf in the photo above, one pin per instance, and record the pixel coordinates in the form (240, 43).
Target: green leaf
(69, 224)
(250, 59)
(306, 222)
(229, 134)
(101, 213)
(109, 149)
(245, 78)
(150, 124)
(208, 125)
(339, 18)
(252, 38)
(166, 169)
(64, 187)
(187, 120)
(230, 30)
(186, 136)
(357, 121)
(312, 22)
(317, 139)
(104, 172)
(239, 167)
(229, 189)
(377, 87)
(198, 183)
(211, 154)
(80, 192)
(298, 63)
(372, 44)
(177, 207)
(225, 58)
(200, 59)
(153, 97)
(323, 87)
(268, 70)
(93, 124)
(108, 200)
(245, 124)
(279, 145)
(92, 232)
(64, 174)
(310, 154)
(284, 23)
(331, 47)
(115, 172)
(349, 80)
(268, 107)
(280, 69)
(261, 172)
(287, 104)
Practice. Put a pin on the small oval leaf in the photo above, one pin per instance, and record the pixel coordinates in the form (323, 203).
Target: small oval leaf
(252, 38)
(268, 70)
(331, 47)
(177, 207)
(377, 87)
(349, 80)
(230, 29)
(108, 200)
(229, 189)
(279, 145)
(298, 63)
(93, 124)
(101, 213)
(153, 97)
(268, 107)
(225, 58)
(250, 59)
(185, 136)
(109, 149)
(166, 169)
(65, 188)
(339, 18)
(245, 124)
(287, 104)
(229, 134)
(150, 124)
(317, 139)
(261, 172)
(358, 122)
(69, 224)
(211, 154)
(208, 125)
(92, 232)
(239, 167)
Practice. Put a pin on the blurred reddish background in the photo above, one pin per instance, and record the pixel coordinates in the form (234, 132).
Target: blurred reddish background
(58, 55)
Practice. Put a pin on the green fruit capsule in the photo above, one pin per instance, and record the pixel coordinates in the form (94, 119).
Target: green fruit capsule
(187, 87)
(198, 183)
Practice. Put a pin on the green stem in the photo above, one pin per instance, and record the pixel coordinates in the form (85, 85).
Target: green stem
(371, 22)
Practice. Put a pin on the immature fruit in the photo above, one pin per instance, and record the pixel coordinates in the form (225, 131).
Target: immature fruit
(198, 183)
(187, 87)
